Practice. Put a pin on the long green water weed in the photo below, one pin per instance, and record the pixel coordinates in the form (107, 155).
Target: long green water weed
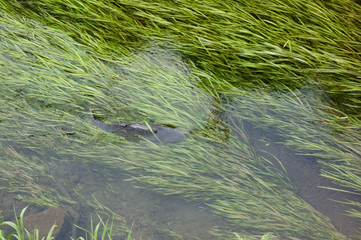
(173, 64)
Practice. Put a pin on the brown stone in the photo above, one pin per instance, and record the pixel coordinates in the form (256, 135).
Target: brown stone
(44, 221)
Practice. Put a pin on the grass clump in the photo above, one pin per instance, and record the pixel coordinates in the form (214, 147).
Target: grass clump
(102, 230)
(20, 232)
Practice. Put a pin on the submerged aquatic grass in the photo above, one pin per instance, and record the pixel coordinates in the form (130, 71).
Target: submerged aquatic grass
(311, 128)
(203, 69)
(248, 43)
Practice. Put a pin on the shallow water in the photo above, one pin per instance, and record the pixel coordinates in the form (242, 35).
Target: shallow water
(96, 186)
(304, 173)
(301, 168)
(222, 178)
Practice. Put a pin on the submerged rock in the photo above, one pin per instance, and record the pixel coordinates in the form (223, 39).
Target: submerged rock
(44, 221)
(157, 134)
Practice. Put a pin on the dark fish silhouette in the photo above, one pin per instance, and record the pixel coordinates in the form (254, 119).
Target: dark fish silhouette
(157, 134)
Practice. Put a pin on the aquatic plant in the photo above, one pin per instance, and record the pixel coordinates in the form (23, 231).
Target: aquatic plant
(207, 68)
(248, 43)
(21, 233)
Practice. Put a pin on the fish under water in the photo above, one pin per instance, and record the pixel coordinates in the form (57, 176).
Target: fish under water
(157, 134)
